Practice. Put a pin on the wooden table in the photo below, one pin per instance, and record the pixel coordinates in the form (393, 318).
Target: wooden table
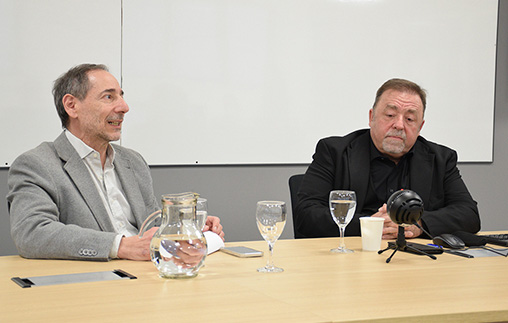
(316, 286)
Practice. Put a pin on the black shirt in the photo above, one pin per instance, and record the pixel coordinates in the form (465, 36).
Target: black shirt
(385, 178)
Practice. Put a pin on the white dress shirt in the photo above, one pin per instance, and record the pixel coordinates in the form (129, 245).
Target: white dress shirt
(110, 189)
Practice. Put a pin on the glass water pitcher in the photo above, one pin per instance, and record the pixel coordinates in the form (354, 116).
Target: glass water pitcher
(178, 248)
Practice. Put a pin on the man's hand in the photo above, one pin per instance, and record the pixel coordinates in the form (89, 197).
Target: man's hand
(183, 253)
(391, 229)
(413, 231)
(136, 248)
(213, 224)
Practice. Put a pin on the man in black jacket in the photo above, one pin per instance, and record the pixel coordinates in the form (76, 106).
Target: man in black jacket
(376, 162)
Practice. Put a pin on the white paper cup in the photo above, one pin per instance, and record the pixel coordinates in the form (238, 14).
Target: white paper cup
(372, 231)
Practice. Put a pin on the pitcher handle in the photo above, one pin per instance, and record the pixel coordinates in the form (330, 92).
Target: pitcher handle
(147, 222)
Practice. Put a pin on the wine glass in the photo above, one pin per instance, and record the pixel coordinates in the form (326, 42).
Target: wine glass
(342, 208)
(201, 213)
(271, 218)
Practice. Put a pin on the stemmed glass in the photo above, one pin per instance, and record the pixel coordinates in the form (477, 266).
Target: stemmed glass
(342, 208)
(271, 218)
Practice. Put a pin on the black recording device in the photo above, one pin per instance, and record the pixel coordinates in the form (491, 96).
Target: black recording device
(405, 208)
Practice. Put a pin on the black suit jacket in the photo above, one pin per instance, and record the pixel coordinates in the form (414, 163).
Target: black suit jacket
(344, 163)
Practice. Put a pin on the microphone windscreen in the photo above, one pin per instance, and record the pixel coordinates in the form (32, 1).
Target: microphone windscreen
(404, 207)
(470, 239)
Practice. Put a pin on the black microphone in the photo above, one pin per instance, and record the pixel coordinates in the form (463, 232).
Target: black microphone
(405, 207)
(473, 240)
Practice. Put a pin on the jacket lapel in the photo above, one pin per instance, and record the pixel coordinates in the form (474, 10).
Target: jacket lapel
(80, 176)
(358, 154)
(130, 186)
(421, 171)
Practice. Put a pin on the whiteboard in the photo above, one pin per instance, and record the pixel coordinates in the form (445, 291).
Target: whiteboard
(40, 41)
(261, 81)
(250, 81)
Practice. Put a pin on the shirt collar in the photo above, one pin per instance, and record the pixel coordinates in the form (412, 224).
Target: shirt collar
(84, 150)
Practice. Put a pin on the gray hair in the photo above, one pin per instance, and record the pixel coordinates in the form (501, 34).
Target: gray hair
(74, 82)
(402, 86)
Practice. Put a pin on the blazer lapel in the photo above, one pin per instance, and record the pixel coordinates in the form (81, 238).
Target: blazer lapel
(130, 187)
(421, 171)
(80, 175)
(359, 164)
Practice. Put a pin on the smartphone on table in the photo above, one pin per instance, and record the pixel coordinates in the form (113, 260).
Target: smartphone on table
(242, 252)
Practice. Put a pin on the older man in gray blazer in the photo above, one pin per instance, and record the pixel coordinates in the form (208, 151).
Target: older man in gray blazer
(81, 197)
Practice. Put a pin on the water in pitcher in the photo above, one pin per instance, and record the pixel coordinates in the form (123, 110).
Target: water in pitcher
(177, 255)
(178, 248)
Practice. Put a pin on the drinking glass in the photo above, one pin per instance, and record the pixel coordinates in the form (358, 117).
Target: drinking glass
(201, 213)
(342, 208)
(271, 218)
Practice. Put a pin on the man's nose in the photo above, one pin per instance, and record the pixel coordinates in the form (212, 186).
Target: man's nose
(122, 107)
(398, 123)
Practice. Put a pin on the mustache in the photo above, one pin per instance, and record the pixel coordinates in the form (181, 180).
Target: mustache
(396, 133)
(115, 118)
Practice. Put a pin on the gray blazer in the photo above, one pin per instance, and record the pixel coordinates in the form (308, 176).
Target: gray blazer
(54, 206)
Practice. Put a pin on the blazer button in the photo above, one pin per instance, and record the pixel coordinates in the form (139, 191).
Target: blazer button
(87, 252)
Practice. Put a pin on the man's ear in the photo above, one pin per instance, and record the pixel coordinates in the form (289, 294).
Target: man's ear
(421, 126)
(69, 102)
